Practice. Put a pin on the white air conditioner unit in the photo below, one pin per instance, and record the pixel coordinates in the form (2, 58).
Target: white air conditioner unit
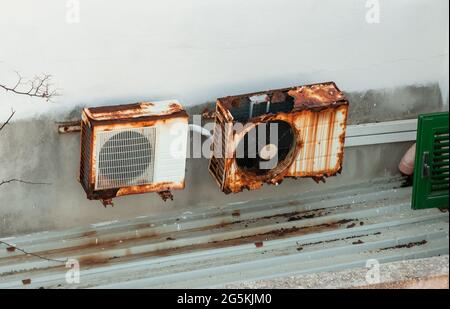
(133, 148)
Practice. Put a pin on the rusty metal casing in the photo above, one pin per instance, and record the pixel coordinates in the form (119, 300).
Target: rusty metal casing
(317, 116)
(158, 117)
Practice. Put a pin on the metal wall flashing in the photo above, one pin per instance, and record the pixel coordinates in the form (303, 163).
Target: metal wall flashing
(381, 133)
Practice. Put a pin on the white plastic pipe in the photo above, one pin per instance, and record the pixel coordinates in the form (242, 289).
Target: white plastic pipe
(200, 130)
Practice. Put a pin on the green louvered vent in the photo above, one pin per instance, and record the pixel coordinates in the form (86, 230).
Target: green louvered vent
(439, 165)
(431, 170)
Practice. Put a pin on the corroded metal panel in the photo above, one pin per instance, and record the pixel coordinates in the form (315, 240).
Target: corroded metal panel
(317, 115)
(112, 120)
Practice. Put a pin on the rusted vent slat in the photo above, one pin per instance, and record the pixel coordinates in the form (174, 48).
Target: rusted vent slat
(217, 165)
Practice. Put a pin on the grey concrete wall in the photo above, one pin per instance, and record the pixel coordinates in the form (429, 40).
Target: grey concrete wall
(31, 149)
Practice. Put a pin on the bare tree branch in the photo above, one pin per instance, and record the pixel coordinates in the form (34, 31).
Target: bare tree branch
(7, 120)
(23, 181)
(12, 248)
(39, 87)
(15, 179)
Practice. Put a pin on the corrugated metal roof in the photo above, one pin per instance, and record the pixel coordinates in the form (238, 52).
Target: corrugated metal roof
(262, 239)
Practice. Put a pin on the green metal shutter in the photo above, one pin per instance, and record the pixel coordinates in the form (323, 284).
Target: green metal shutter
(431, 170)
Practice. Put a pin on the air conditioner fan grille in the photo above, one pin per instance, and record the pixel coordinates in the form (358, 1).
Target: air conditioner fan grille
(125, 158)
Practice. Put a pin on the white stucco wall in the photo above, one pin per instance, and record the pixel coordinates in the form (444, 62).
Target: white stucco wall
(197, 50)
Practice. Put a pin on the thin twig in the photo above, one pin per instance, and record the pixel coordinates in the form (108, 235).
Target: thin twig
(8, 120)
(13, 248)
(39, 87)
(23, 181)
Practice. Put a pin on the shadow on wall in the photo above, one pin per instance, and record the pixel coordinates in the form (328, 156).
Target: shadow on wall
(33, 150)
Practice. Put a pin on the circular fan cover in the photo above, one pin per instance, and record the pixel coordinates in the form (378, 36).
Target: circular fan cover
(252, 156)
(125, 157)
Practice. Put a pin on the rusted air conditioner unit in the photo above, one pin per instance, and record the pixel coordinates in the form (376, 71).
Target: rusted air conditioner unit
(294, 132)
(133, 148)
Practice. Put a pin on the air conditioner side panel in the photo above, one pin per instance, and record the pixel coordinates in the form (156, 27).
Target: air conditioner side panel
(85, 168)
(322, 137)
(170, 154)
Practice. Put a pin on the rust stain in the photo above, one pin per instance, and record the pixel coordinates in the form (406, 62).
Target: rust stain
(97, 257)
(231, 102)
(149, 121)
(175, 108)
(340, 239)
(307, 97)
(166, 195)
(283, 217)
(408, 245)
(330, 134)
(107, 202)
(11, 249)
(278, 97)
(69, 126)
(305, 214)
(319, 179)
(311, 137)
(318, 119)
(257, 240)
(26, 281)
(89, 234)
(93, 260)
(236, 213)
(259, 244)
(135, 110)
(309, 215)
(207, 114)
(155, 187)
(96, 245)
